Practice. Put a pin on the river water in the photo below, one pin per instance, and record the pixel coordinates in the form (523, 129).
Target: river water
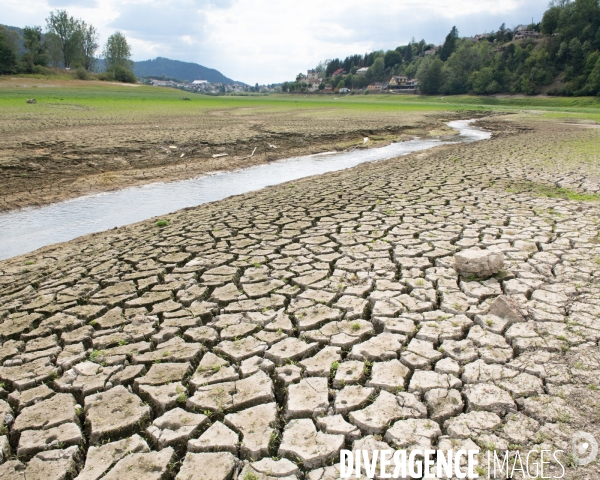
(28, 229)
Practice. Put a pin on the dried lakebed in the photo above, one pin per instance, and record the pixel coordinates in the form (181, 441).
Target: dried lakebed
(254, 337)
(28, 229)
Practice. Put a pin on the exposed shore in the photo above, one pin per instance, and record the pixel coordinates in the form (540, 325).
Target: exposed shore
(265, 332)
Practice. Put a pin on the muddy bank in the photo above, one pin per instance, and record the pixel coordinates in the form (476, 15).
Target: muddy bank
(66, 162)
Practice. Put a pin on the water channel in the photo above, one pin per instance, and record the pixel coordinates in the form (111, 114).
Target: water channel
(28, 229)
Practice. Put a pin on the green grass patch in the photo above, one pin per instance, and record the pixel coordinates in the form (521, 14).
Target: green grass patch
(551, 191)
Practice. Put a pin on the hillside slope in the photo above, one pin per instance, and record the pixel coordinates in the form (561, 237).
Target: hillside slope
(180, 70)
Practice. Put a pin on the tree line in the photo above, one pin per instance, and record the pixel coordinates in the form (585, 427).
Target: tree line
(563, 59)
(68, 43)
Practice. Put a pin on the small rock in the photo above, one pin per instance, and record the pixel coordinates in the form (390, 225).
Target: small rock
(482, 263)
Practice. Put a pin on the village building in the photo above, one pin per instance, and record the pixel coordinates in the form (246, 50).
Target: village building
(431, 51)
(522, 34)
(400, 84)
(362, 71)
(312, 75)
(328, 89)
(375, 87)
(339, 71)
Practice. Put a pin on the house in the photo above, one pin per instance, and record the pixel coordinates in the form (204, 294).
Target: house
(397, 81)
(520, 28)
(312, 75)
(362, 71)
(522, 34)
(431, 51)
(375, 87)
(339, 71)
(328, 89)
(199, 82)
(481, 36)
(403, 85)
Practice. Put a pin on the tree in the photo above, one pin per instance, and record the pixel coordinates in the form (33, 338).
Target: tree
(408, 53)
(341, 84)
(550, 20)
(558, 3)
(54, 49)
(377, 70)
(89, 45)
(36, 49)
(8, 52)
(449, 45)
(117, 52)
(65, 28)
(430, 76)
(593, 82)
(392, 58)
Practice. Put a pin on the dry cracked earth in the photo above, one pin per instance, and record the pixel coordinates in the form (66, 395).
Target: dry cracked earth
(255, 337)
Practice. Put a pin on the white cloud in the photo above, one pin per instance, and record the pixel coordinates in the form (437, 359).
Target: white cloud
(269, 41)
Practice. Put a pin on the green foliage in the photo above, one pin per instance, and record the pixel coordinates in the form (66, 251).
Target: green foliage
(449, 45)
(82, 74)
(36, 50)
(392, 58)
(70, 41)
(565, 54)
(430, 77)
(65, 28)
(124, 74)
(117, 52)
(377, 70)
(162, 223)
(8, 52)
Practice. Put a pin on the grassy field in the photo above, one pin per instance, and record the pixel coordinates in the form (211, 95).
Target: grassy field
(113, 98)
(88, 136)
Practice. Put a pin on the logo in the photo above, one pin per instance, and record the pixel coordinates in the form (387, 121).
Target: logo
(584, 448)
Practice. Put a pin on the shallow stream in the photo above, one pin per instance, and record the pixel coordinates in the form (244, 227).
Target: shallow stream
(28, 229)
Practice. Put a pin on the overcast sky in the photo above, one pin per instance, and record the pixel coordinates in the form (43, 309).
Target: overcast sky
(268, 41)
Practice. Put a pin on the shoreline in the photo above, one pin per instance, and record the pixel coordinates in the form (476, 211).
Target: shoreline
(192, 163)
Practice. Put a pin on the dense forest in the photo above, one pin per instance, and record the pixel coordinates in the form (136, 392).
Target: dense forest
(560, 57)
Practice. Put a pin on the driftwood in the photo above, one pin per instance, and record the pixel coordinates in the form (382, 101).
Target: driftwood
(251, 155)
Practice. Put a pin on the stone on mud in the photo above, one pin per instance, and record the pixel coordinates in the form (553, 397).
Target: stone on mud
(482, 263)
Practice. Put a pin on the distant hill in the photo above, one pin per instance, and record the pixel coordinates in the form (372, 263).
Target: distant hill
(154, 68)
(180, 70)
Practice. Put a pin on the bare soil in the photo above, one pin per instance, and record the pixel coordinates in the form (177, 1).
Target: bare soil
(48, 160)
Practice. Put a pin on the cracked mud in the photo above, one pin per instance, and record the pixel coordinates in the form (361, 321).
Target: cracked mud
(412, 303)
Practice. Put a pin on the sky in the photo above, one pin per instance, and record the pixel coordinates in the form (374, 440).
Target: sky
(270, 41)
